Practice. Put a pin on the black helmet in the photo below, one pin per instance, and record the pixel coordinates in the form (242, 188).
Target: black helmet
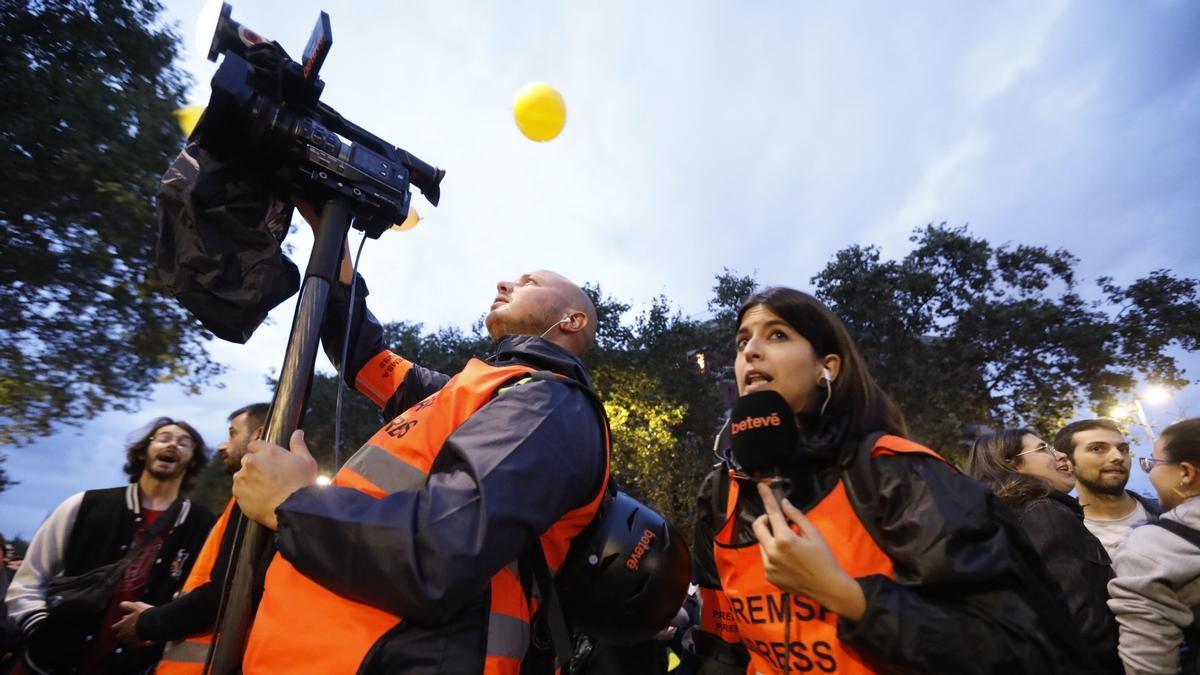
(626, 576)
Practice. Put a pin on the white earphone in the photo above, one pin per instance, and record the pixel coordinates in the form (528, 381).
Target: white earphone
(564, 320)
(828, 388)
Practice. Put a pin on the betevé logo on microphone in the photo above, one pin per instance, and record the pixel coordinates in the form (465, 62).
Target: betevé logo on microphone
(756, 422)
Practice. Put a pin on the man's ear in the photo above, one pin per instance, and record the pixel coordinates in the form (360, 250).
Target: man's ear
(576, 321)
(258, 433)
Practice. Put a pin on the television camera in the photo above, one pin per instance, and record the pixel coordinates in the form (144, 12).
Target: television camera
(265, 110)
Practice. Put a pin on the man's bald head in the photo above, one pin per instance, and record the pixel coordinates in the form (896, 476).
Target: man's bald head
(547, 304)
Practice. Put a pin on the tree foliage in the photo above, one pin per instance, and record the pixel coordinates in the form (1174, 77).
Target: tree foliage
(964, 332)
(5, 481)
(87, 130)
(961, 332)
(212, 487)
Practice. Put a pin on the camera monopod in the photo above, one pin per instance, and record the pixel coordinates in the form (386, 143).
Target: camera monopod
(264, 112)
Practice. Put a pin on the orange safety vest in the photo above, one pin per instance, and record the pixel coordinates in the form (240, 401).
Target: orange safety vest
(398, 457)
(186, 657)
(785, 632)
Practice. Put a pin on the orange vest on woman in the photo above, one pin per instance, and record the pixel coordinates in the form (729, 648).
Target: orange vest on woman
(785, 632)
(187, 656)
(301, 627)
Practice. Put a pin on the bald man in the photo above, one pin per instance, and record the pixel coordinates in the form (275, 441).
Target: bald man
(414, 554)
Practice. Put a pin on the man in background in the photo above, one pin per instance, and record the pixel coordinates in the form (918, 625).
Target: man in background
(187, 620)
(1099, 455)
(146, 521)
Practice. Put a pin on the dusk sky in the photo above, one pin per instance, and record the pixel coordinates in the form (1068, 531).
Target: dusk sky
(760, 137)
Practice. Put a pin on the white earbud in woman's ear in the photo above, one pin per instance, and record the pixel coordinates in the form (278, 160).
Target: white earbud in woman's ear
(828, 388)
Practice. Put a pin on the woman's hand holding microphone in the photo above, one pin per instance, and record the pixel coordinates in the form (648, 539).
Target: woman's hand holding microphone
(802, 562)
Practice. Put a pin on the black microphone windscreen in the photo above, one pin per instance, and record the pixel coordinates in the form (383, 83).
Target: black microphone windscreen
(764, 432)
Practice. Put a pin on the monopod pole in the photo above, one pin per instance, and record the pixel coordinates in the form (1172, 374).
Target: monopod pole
(287, 407)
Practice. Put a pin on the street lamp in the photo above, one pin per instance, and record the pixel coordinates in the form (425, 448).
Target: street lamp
(1154, 394)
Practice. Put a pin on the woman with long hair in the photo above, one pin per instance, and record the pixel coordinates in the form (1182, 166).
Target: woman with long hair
(877, 555)
(1157, 589)
(1034, 480)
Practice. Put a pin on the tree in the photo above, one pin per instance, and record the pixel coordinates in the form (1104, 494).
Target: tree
(963, 332)
(656, 401)
(5, 481)
(212, 487)
(87, 131)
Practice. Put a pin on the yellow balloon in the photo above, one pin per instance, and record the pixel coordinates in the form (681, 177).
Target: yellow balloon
(539, 111)
(409, 222)
(187, 117)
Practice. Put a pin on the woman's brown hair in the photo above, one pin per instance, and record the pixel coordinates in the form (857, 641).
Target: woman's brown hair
(855, 397)
(994, 461)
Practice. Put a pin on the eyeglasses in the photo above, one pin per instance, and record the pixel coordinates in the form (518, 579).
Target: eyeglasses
(1044, 447)
(1148, 463)
(183, 442)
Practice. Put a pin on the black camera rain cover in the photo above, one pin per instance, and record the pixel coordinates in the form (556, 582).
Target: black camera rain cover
(220, 230)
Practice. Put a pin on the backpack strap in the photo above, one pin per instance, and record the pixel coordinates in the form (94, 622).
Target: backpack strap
(1177, 528)
(533, 560)
(719, 499)
(1190, 653)
(858, 477)
(610, 490)
(859, 481)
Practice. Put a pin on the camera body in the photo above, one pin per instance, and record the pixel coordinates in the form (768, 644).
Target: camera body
(265, 109)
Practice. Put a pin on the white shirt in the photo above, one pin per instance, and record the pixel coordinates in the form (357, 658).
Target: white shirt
(1112, 533)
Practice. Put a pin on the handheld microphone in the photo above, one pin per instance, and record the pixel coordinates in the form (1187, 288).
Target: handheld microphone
(764, 432)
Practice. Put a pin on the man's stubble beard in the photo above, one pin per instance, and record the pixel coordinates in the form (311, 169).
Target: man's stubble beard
(528, 325)
(179, 470)
(1099, 488)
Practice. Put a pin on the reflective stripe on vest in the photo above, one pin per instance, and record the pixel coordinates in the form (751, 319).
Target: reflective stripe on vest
(784, 632)
(187, 656)
(398, 457)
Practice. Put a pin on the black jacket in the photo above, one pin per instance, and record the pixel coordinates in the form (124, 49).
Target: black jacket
(969, 594)
(196, 611)
(1076, 559)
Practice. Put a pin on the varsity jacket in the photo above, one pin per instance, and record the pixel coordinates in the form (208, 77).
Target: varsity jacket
(91, 529)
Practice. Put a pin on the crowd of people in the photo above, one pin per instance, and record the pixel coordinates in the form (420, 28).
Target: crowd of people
(858, 550)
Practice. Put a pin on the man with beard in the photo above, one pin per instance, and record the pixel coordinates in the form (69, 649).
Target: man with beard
(145, 524)
(1100, 457)
(188, 619)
